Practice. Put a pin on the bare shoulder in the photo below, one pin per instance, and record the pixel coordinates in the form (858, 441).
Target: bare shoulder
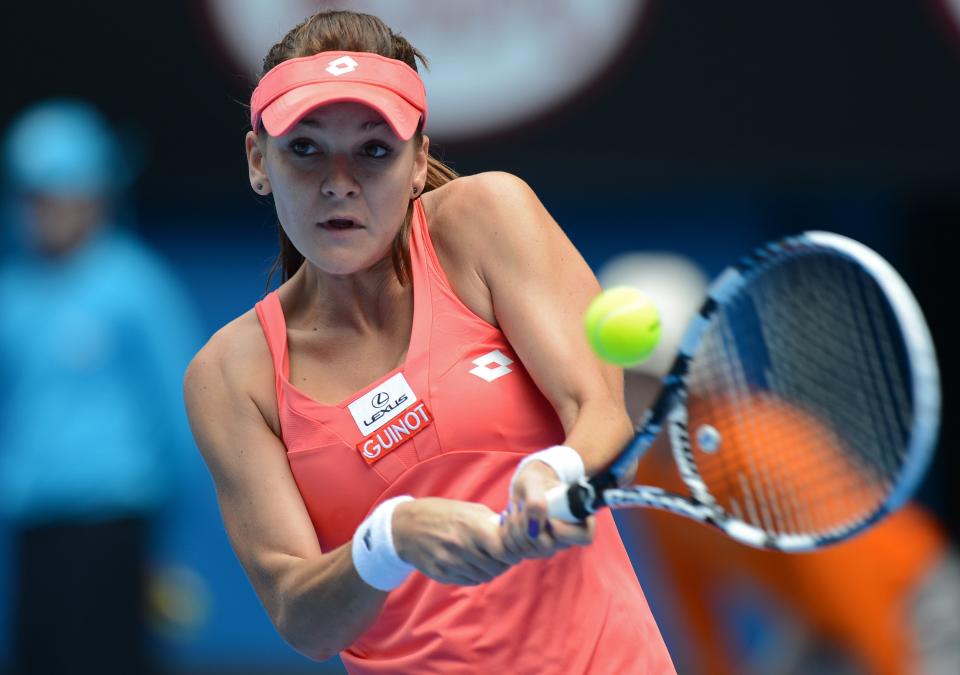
(232, 370)
(223, 359)
(474, 222)
(484, 224)
(471, 205)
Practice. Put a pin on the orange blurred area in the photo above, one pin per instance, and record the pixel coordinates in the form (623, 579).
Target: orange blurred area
(851, 594)
(777, 467)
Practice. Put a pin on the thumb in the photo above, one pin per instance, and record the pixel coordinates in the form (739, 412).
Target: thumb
(532, 487)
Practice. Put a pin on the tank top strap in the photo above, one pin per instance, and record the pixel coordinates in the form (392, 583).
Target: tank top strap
(438, 290)
(423, 277)
(423, 256)
(274, 326)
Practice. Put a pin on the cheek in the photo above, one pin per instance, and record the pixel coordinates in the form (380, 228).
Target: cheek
(392, 194)
(285, 207)
(290, 199)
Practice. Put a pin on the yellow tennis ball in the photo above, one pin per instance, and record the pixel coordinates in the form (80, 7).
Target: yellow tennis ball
(623, 326)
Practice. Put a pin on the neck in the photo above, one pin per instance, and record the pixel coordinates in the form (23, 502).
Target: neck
(364, 302)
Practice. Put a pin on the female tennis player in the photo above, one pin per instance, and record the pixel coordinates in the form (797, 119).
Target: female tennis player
(420, 369)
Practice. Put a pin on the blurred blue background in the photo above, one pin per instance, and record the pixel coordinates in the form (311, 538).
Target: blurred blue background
(715, 127)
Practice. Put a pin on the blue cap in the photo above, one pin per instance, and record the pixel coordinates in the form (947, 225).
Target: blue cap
(61, 147)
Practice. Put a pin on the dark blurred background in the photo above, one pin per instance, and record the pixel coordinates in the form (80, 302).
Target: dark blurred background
(715, 126)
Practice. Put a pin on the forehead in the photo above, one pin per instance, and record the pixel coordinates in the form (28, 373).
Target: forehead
(344, 115)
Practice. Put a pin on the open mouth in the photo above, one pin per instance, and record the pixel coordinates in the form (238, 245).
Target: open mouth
(340, 224)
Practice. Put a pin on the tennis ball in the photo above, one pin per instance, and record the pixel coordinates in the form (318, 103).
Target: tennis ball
(623, 326)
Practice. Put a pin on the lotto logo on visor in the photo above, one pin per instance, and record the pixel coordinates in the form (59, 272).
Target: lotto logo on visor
(342, 66)
(292, 89)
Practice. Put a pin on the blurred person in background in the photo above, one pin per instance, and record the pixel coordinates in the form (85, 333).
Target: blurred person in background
(94, 337)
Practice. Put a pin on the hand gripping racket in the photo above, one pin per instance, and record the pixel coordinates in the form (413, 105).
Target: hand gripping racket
(802, 407)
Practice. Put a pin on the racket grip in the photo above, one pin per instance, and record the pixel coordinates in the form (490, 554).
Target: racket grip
(569, 502)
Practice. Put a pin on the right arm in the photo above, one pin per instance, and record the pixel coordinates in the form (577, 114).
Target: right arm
(316, 600)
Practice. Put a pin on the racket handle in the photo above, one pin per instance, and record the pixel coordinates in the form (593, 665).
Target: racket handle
(558, 504)
(570, 502)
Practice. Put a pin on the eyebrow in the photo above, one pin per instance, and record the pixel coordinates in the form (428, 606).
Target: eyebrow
(364, 126)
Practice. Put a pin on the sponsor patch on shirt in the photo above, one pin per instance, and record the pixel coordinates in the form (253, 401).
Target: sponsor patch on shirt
(388, 416)
(398, 431)
(383, 403)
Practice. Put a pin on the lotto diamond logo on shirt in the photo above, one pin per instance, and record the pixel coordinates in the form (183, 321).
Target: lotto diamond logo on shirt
(341, 66)
(492, 366)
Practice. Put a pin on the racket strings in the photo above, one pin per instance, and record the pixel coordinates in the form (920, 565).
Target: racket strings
(889, 388)
(802, 377)
(821, 378)
(778, 495)
(884, 392)
(790, 498)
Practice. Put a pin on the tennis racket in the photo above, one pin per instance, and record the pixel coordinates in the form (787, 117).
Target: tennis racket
(802, 407)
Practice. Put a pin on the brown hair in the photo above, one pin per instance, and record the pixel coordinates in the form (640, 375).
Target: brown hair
(355, 32)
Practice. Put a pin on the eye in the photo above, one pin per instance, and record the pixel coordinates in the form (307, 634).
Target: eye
(377, 150)
(302, 147)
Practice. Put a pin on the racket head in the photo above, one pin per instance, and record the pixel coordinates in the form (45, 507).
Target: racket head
(804, 403)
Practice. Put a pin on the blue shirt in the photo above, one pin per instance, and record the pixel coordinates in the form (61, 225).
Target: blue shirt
(92, 353)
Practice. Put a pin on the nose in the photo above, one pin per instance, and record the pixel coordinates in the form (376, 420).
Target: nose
(339, 180)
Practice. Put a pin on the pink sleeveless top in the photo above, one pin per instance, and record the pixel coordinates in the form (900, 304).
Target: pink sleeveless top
(452, 421)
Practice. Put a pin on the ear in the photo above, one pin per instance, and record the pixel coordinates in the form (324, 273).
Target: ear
(420, 166)
(256, 166)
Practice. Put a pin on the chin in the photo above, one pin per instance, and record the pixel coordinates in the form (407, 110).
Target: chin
(348, 266)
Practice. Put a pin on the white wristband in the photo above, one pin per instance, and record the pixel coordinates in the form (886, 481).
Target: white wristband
(374, 554)
(564, 460)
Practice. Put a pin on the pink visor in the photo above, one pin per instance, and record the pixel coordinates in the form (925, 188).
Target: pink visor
(295, 87)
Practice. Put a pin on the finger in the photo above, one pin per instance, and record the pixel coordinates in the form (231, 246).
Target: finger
(529, 538)
(541, 538)
(534, 521)
(496, 548)
(474, 549)
(536, 503)
(515, 535)
(498, 545)
(485, 565)
(535, 507)
(573, 534)
(506, 556)
(456, 580)
(510, 533)
(518, 491)
(558, 544)
(463, 572)
(444, 575)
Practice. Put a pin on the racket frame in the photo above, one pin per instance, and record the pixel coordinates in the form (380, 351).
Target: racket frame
(577, 501)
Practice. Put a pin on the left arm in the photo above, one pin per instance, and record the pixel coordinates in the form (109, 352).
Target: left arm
(527, 251)
(540, 286)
